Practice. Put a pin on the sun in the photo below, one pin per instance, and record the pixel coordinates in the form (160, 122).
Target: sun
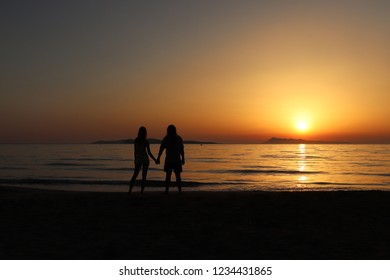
(302, 125)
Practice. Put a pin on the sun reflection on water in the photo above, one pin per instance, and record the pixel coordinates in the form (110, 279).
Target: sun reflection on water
(302, 163)
(302, 179)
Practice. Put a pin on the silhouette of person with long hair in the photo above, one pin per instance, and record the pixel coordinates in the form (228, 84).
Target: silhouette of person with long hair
(174, 156)
(141, 158)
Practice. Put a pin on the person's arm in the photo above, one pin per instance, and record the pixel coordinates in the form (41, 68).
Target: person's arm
(135, 153)
(149, 152)
(162, 147)
(182, 153)
(182, 157)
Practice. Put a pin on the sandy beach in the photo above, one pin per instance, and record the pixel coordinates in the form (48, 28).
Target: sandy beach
(41, 224)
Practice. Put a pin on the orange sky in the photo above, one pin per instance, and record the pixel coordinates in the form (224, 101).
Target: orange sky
(230, 71)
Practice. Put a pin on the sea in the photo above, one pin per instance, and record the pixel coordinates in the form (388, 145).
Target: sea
(208, 167)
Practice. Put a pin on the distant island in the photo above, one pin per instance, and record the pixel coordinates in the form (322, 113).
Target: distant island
(151, 140)
(275, 140)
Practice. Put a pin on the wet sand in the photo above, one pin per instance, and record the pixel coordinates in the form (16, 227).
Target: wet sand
(41, 224)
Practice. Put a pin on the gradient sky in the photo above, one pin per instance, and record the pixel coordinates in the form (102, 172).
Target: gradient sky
(228, 71)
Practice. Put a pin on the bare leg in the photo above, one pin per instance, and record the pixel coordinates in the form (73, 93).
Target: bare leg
(178, 180)
(167, 180)
(144, 173)
(137, 168)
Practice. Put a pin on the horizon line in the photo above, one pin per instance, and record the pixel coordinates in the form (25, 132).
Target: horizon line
(210, 142)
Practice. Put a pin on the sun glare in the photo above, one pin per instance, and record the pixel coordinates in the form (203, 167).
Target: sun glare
(302, 125)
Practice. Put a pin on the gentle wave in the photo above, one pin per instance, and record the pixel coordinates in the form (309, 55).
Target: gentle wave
(279, 156)
(125, 169)
(367, 174)
(96, 159)
(71, 164)
(12, 168)
(292, 156)
(369, 164)
(209, 160)
(87, 159)
(345, 184)
(97, 167)
(261, 167)
(268, 171)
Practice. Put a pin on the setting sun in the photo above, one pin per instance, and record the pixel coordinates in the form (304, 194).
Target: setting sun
(302, 125)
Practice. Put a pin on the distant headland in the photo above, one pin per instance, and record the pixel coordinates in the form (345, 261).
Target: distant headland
(151, 141)
(275, 140)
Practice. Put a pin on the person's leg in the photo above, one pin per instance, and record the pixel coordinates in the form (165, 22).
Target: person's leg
(144, 173)
(178, 180)
(167, 180)
(137, 168)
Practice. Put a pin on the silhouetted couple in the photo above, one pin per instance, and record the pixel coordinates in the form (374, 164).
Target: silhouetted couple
(174, 157)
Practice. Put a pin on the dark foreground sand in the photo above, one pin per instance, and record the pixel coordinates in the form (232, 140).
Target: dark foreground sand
(38, 224)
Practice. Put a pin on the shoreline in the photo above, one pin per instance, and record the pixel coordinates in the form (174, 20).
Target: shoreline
(46, 224)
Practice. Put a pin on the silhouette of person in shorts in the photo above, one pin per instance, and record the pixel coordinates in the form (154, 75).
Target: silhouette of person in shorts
(174, 156)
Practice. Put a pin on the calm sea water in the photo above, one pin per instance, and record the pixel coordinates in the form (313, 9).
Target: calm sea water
(208, 167)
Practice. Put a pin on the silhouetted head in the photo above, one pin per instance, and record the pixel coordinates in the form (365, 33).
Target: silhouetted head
(171, 131)
(142, 133)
